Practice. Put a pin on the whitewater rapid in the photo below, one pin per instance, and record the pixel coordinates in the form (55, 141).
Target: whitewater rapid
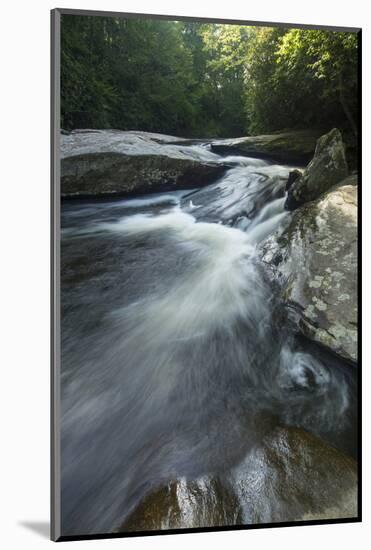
(174, 345)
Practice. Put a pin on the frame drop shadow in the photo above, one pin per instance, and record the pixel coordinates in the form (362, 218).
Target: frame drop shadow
(41, 528)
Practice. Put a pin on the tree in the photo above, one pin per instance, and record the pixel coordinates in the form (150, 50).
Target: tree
(205, 80)
(328, 58)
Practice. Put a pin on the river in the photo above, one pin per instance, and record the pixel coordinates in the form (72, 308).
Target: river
(177, 358)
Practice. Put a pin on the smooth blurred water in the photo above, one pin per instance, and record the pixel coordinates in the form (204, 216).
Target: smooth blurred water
(176, 356)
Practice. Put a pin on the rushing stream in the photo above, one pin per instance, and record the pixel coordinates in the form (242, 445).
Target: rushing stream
(176, 356)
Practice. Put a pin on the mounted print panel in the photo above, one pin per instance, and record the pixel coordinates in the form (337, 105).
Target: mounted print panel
(205, 239)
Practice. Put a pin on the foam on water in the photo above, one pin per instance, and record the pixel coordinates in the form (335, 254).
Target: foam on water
(152, 200)
(167, 384)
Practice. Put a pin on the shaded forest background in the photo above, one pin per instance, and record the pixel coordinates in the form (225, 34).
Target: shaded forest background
(205, 80)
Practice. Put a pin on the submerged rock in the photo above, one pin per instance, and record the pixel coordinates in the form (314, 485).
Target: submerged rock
(238, 196)
(296, 146)
(315, 261)
(116, 173)
(185, 504)
(290, 476)
(294, 476)
(327, 168)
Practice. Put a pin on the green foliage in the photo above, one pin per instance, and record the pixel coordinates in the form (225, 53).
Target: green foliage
(225, 49)
(130, 74)
(196, 79)
(262, 84)
(301, 78)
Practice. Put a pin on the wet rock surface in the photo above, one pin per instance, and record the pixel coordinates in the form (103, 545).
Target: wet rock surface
(293, 176)
(109, 162)
(240, 195)
(296, 146)
(202, 370)
(327, 168)
(186, 504)
(115, 173)
(290, 476)
(315, 261)
(83, 142)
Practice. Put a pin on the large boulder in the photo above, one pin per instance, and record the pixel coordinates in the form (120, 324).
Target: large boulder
(328, 167)
(296, 146)
(295, 476)
(290, 476)
(108, 162)
(96, 174)
(315, 261)
(83, 142)
(184, 504)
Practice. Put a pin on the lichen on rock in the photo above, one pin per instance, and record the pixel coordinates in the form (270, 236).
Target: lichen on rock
(315, 261)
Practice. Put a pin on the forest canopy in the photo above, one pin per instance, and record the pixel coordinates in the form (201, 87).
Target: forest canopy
(205, 80)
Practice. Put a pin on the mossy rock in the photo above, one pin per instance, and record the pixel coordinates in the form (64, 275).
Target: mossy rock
(296, 146)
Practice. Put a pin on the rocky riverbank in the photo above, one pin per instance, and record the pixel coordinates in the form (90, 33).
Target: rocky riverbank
(292, 147)
(197, 302)
(274, 483)
(110, 174)
(111, 162)
(314, 259)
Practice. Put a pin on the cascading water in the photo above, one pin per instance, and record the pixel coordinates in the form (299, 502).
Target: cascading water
(173, 349)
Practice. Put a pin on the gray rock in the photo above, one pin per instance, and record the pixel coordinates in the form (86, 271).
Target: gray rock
(296, 146)
(350, 180)
(315, 261)
(290, 476)
(98, 174)
(295, 476)
(83, 142)
(327, 168)
(293, 176)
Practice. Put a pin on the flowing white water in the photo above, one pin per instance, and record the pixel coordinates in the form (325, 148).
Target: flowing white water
(153, 200)
(217, 290)
(171, 347)
(271, 210)
(261, 231)
(238, 197)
